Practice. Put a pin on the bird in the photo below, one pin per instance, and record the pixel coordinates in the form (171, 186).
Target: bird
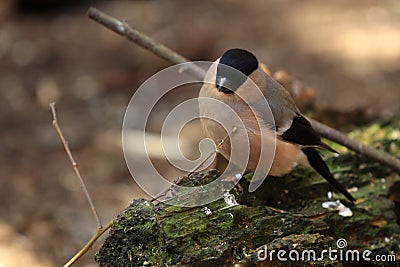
(296, 140)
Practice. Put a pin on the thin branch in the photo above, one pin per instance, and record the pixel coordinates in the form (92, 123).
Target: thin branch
(300, 215)
(100, 230)
(122, 28)
(74, 164)
(340, 138)
(164, 52)
(89, 244)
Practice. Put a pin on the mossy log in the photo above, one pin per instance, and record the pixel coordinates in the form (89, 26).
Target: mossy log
(284, 214)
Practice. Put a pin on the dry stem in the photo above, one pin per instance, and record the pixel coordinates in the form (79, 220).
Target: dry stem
(89, 244)
(74, 164)
(100, 230)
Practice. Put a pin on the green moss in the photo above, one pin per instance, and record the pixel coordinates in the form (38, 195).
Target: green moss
(136, 240)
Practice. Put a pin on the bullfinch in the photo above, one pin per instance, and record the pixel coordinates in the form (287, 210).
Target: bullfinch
(296, 141)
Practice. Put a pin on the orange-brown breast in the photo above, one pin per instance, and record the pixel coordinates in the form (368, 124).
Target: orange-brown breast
(286, 154)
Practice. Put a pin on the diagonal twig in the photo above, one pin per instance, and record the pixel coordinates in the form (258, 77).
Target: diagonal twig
(133, 35)
(100, 229)
(123, 29)
(89, 244)
(340, 138)
(74, 164)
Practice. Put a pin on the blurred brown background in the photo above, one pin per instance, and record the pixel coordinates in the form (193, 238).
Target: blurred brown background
(349, 52)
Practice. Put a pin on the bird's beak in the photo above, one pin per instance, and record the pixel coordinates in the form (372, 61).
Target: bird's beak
(221, 82)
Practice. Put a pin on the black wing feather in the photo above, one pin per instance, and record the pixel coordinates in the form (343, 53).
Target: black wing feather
(301, 132)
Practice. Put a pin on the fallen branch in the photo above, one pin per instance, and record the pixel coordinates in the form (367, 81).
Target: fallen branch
(340, 138)
(122, 28)
(133, 35)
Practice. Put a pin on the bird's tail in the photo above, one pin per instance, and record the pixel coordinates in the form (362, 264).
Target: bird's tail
(320, 166)
(327, 147)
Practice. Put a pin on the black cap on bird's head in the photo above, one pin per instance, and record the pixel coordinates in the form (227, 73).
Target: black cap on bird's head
(233, 68)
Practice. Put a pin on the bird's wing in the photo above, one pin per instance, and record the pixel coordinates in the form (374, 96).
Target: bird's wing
(301, 132)
(287, 121)
(290, 125)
